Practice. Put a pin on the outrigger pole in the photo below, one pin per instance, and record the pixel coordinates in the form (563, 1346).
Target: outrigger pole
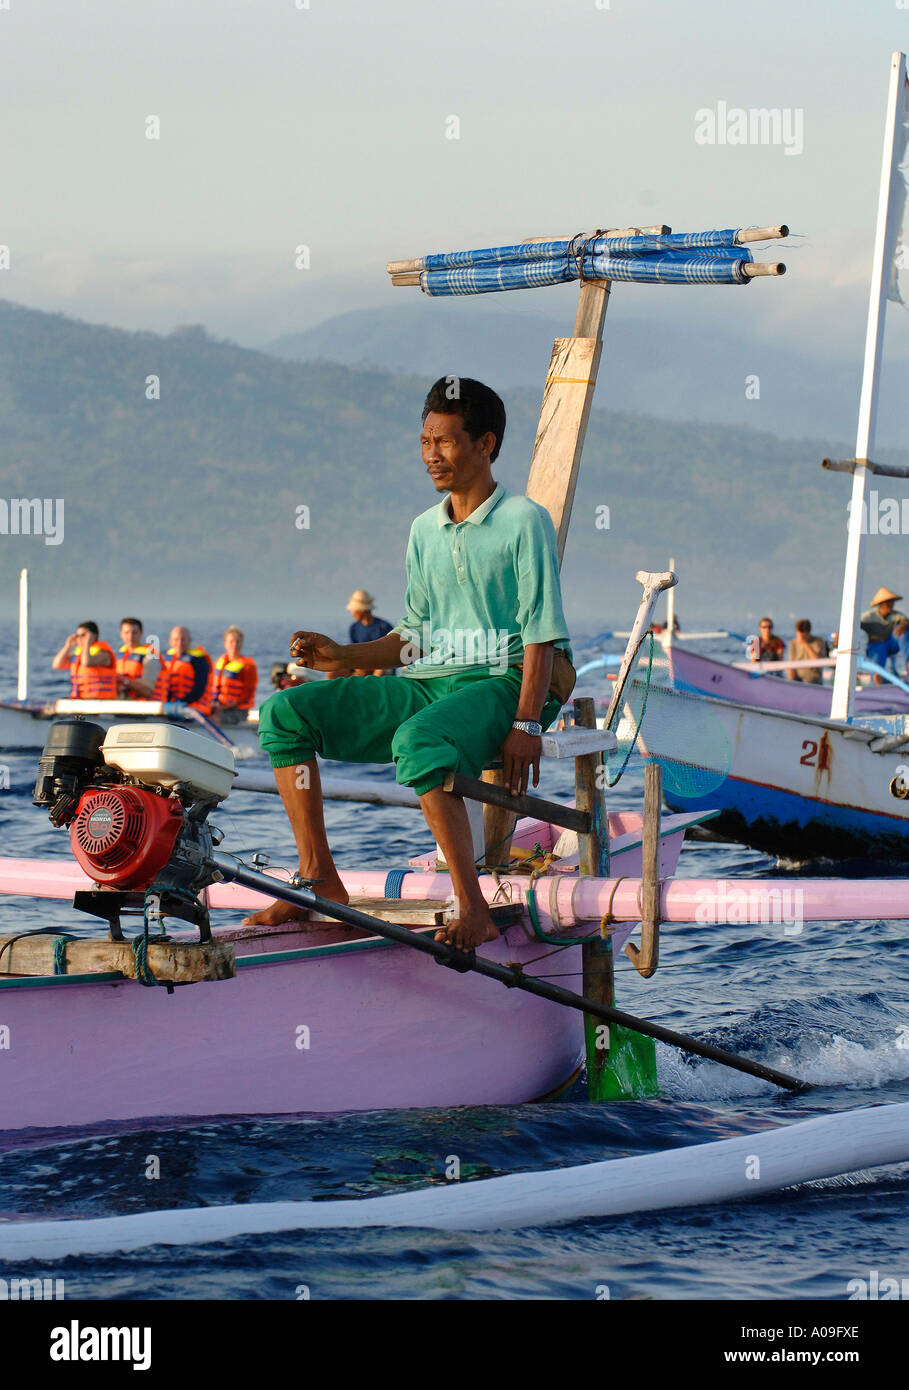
(467, 961)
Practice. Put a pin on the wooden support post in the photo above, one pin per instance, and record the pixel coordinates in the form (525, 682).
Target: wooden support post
(567, 398)
(621, 1064)
(498, 823)
(593, 858)
(646, 959)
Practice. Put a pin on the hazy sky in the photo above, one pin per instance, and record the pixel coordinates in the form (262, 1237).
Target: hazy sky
(326, 127)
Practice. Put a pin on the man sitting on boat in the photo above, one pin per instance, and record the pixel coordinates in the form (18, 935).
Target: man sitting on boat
(883, 624)
(92, 664)
(138, 665)
(187, 673)
(806, 647)
(484, 651)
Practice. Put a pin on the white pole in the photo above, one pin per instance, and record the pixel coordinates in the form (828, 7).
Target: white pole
(670, 608)
(843, 703)
(22, 686)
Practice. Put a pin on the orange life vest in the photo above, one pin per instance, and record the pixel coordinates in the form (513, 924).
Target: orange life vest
(236, 679)
(178, 676)
(93, 682)
(129, 665)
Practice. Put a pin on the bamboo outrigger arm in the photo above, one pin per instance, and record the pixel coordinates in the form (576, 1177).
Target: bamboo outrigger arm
(884, 470)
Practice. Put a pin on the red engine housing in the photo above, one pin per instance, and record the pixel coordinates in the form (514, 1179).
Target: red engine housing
(122, 836)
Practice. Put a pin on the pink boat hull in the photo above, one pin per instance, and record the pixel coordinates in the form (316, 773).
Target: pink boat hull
(386, 1028)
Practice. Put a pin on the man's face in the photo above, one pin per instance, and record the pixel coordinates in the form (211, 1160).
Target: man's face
(885, 608)
(232, 644)
(130, 635)
(84, 636)
(179, 640)
(361, 615)
(453, 460)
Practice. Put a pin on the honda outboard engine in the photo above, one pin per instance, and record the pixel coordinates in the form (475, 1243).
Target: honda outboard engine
(136, 800)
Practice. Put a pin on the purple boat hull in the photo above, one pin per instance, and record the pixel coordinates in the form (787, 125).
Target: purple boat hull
(691, 671)
(378, 1028)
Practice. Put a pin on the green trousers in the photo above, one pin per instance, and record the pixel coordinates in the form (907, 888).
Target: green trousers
(427, 728)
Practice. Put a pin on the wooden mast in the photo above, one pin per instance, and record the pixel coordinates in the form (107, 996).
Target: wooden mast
(567, 397)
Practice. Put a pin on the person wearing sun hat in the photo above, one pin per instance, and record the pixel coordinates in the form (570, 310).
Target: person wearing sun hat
(884, 625)
(365, 627)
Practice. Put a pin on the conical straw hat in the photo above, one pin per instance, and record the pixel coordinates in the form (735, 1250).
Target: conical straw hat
(882, 596)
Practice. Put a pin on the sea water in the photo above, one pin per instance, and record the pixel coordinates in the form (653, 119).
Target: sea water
(829, 1003)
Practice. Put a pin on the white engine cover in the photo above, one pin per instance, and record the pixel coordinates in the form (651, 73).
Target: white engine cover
(160, 755)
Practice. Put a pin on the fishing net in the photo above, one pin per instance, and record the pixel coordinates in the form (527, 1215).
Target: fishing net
(658, 722)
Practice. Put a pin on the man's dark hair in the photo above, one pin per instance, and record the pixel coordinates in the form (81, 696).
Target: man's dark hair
(803, 625)
(90, 627)
(480, 409)
(137, 622)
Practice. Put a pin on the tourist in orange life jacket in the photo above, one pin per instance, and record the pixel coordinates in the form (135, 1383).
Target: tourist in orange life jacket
(186, 673)
(138, 663)
(236, 678)
(92, 664)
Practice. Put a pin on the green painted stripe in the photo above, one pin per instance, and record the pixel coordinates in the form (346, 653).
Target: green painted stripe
(109, 977)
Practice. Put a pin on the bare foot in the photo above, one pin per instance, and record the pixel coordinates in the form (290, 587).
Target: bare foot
(471, 928)
(279, 912)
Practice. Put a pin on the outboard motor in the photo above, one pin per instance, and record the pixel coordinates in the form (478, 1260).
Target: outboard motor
(136, 800)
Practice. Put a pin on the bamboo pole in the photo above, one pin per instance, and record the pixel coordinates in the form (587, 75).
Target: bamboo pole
(843, 702)
(760, 234)
(598, 966)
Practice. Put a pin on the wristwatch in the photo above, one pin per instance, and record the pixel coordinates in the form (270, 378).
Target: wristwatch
(528, 726)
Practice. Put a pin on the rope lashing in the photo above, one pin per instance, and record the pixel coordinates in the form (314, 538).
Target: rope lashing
(60, 941)
(143, 970)
(607, 920)
(394, 882)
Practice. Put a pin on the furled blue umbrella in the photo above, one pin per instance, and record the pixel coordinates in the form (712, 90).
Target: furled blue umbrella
(692, 258)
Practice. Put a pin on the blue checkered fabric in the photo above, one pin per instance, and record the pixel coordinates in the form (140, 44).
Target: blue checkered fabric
(641, 245)
(712, 264)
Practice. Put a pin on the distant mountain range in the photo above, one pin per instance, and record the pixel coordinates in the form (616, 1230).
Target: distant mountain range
(662, 369)
(195, 502)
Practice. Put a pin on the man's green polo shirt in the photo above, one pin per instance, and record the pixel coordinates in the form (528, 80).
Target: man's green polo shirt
(480, 590)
